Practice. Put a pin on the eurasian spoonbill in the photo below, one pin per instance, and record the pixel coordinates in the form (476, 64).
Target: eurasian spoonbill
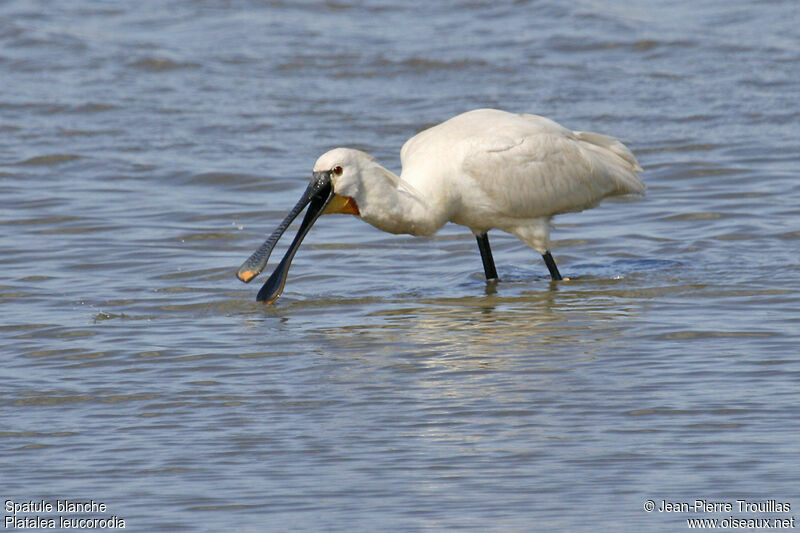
(484, 169)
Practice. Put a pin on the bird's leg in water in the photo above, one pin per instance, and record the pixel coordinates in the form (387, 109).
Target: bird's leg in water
(551, 266)
(486, 256)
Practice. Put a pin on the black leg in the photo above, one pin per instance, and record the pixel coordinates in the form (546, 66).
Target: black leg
(486, 256)
(551, 265)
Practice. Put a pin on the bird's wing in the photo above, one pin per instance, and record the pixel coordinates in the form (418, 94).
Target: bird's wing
(544, 173)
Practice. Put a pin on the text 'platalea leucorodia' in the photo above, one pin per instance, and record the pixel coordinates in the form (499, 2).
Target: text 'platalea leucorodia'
(484, 169)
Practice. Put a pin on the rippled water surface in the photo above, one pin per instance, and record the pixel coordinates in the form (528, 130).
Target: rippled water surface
(146, 149)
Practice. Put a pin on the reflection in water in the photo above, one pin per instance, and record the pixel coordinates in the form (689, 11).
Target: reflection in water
(488, 330)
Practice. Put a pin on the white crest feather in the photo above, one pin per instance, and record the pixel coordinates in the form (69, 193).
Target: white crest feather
(404, 186)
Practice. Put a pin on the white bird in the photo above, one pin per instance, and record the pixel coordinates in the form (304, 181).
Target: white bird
(484, 169)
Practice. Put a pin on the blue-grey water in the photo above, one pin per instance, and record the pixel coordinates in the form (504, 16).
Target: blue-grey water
(147, 148)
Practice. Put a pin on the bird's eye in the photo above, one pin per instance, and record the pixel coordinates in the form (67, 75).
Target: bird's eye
(338, 170)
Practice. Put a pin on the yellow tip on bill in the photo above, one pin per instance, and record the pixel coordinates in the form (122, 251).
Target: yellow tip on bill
(246, 275)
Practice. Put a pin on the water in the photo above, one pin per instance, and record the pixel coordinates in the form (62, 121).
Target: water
(149, 147)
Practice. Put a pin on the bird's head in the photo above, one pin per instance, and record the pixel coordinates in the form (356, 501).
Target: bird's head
(344, 167)
(335, 182)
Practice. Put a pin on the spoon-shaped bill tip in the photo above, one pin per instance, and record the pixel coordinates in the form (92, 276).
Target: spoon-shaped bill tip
(246, 275)
(318, 194)
(274, 285)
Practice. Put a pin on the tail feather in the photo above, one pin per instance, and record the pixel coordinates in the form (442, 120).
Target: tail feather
(622, 165)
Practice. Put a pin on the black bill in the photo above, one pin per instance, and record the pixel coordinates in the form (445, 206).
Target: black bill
(319, 193)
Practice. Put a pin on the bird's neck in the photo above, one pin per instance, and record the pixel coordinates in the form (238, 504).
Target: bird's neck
(392, 206)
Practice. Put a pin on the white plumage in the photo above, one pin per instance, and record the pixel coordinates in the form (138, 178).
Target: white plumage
(484, 169)
(487, 169)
